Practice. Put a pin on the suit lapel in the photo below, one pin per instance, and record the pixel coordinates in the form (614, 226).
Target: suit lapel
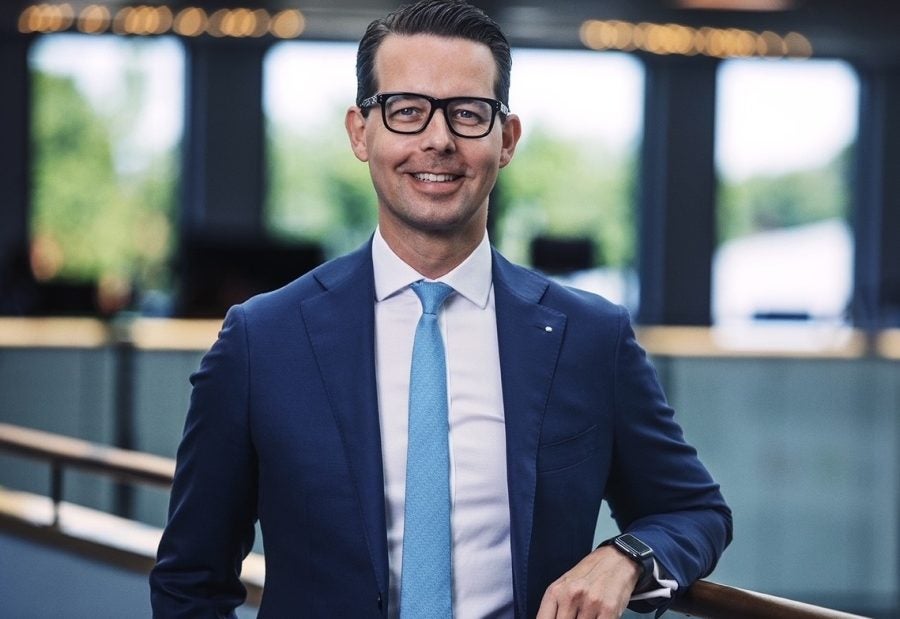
(341, 327)
(529, 338)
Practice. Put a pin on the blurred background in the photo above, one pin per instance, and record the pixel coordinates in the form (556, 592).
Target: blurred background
(729, 170)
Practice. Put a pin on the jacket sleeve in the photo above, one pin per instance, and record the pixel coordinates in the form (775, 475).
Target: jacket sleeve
(212, 509)
(659, 490)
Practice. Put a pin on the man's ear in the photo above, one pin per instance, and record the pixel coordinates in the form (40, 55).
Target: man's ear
(355, 124)
(511, 131)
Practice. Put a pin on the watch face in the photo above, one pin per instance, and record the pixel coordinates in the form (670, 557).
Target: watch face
(633, 546)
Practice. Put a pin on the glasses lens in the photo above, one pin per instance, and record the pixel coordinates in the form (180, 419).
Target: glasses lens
(470, 117)
(406, 113)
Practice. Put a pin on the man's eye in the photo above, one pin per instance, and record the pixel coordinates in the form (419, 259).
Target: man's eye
(406, 113)
(469, 116)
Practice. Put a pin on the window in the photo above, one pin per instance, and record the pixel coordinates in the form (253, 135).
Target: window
(571, 183)
(106, 124)
(318, 191)
(785, 134)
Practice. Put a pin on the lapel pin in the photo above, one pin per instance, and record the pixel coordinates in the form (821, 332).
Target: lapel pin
(548, 329)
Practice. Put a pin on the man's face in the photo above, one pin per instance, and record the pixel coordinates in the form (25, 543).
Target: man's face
(433, 182)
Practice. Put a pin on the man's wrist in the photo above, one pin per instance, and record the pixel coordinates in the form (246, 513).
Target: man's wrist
(641, 556)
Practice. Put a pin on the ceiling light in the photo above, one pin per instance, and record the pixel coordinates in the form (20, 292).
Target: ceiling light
(737, 5)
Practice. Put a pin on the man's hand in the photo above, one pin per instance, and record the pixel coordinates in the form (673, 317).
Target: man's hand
(599, 587)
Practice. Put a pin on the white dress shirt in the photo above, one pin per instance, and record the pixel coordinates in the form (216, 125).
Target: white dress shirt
(481, 556)
(479, 521)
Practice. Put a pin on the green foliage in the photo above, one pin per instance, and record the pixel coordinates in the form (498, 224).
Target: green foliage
(565, 187)
(71, 176)
(769, 202)
(318, 191)
(101, 222)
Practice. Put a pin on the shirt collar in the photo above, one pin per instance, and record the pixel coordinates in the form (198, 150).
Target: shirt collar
(471, 279)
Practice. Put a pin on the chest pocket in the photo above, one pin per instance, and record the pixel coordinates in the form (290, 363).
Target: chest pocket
(569, 451)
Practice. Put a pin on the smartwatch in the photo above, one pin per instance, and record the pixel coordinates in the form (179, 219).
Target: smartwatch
(637, 551)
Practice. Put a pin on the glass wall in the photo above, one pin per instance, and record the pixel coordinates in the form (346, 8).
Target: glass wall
(570, 182)
(785, 135)
(106, 126)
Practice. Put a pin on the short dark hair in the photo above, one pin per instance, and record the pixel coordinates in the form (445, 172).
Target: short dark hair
(446, 18)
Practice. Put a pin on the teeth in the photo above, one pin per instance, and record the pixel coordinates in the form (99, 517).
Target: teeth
(434, 178)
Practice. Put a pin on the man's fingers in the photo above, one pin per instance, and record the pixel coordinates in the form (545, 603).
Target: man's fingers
(548, 607)
(598, 587)
(571, 598)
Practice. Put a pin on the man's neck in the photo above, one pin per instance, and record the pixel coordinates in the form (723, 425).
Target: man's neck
(431, 254)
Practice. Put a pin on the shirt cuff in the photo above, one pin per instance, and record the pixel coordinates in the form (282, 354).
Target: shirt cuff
(659, 587)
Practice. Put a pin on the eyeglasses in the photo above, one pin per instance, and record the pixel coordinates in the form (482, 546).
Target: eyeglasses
(409, 112)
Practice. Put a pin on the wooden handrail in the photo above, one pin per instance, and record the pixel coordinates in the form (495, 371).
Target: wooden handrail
(99, 536)
(704, 599)
(90, 533)
(76, 453)
(713, 601)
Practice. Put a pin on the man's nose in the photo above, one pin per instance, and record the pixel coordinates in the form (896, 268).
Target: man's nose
(437, 134)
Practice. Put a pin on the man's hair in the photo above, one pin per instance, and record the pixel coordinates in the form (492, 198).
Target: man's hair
(445, 18)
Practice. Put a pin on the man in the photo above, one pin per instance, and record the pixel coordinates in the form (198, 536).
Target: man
(461, 481)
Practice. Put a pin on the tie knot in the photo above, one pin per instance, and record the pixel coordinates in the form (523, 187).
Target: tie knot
(432, 295)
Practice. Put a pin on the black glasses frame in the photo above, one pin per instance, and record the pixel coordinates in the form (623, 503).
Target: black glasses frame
(436, 104)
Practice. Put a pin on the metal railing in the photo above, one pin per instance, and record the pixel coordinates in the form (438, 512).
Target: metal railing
(703, 599)
(63, 452)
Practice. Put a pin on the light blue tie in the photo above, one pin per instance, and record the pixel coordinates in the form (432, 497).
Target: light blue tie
(425, 588)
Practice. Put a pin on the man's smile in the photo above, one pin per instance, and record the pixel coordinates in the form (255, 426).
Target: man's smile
(428, 177)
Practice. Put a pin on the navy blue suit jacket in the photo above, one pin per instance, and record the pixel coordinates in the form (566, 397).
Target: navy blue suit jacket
(283, 427)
